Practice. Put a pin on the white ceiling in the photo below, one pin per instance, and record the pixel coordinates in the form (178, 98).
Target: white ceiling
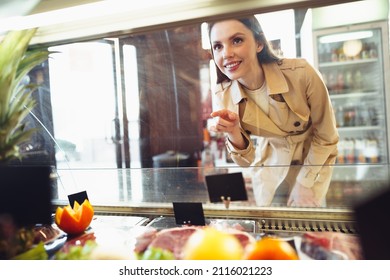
(10, 8)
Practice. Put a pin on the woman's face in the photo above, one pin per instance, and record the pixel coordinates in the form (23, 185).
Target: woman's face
(235, 52)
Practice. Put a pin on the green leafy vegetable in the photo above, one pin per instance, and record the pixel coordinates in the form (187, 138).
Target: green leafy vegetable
(77, 252)
(36, 253)
(156, 254)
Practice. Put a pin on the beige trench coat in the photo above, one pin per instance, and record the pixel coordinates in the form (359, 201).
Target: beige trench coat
(298, 138)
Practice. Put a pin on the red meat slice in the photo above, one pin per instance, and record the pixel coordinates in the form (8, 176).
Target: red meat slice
(143, 240)
(174, 239)
(331, 245)
(244, 238)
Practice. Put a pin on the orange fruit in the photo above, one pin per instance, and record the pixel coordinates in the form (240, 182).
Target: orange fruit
(271, 248)
(84, 213)
(211, 244)
(74, 220)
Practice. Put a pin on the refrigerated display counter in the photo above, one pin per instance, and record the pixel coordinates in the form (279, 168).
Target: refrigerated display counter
(135, 208)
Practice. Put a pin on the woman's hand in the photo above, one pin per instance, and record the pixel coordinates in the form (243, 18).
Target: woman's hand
(229, 122)
(301, 196)
(226, 121)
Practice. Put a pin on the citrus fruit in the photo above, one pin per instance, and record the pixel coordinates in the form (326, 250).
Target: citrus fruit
(211, 244)
(74, 220)
(271, 248)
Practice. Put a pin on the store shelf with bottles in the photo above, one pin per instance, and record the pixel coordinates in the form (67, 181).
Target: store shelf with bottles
(350, 48)
(348, 62)
(354, 94)
(362, 131)
(358, 117)
(351, 67)
(353, 80)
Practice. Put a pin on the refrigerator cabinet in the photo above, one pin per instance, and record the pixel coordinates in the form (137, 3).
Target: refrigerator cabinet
(354, 63)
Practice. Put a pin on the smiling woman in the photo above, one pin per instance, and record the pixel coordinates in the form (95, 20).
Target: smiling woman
(250, 78)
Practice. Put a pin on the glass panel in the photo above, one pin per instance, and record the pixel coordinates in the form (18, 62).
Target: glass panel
(82, 90)
(130, 113)
(154, 186)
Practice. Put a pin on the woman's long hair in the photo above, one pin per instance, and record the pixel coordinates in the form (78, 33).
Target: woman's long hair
(265, 56)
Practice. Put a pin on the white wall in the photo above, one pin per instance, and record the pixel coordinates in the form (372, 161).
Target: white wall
(350, 13)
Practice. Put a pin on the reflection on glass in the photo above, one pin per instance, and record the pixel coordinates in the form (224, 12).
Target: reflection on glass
(154, 186)
(119, 102)
(82, 90)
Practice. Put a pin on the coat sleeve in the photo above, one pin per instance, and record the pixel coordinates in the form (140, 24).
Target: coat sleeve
(323, 148)
(223, 100)
(241, 157)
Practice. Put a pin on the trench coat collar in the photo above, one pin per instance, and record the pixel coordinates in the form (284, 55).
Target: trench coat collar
(276, 82)
(275, 79)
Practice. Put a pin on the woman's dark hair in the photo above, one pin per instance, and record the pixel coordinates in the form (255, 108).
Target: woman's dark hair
(265, 56)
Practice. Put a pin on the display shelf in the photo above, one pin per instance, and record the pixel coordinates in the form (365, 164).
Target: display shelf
(347, 62)
(366, 94)
(359, 128)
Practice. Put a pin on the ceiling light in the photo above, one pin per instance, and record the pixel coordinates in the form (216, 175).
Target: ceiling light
(340, 37)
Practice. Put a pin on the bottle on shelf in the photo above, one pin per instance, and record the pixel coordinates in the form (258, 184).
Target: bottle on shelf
(340, 153)
(358, 80)
(365, 54)
(348, 80)
(373, 50)
(361, 115)
(372, 150)
(334, 55)
(341, 54)
(349, 150)
(373, 115)
(349, 115)
(340, 116)
(340, 82)
(359, 150)
(332, 82)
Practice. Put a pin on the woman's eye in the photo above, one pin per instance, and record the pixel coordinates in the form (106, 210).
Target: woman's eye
(237, 40)
(217, 47)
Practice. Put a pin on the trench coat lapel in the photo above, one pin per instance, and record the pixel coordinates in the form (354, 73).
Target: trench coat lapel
(256, 121)
(252, 117)
(277, 84)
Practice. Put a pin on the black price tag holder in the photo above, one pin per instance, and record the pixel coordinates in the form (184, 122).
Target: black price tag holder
(226, 188)
(79, 197)
(189, 213)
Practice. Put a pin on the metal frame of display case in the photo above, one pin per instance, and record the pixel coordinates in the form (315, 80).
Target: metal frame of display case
(268, 220)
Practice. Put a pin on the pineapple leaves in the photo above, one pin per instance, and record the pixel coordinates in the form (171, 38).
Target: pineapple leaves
(16, 100)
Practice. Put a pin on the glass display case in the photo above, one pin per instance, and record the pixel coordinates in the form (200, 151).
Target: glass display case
(122, 108)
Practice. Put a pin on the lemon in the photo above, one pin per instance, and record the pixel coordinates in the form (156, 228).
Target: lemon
(211, 244)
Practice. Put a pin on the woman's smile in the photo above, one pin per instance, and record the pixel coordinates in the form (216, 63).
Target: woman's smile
(232, 66)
